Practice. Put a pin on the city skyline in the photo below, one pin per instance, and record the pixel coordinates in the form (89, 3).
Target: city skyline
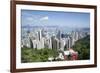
(53, 18)
(54, 36)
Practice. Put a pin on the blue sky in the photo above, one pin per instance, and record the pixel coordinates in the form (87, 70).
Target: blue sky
(53, 18)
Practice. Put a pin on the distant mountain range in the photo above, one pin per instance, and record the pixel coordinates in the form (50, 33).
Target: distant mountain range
(53, 28)
(39, 26)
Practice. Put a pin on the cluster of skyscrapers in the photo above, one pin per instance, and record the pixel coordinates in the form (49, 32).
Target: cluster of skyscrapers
(41, 38)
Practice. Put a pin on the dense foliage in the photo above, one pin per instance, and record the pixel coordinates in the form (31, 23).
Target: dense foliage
(37, 55)
(82, 46)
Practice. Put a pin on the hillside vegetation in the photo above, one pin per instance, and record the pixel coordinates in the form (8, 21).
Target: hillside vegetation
(82, 46)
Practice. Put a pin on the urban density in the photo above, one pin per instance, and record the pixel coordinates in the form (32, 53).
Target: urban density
(54, 35)
(40, 38)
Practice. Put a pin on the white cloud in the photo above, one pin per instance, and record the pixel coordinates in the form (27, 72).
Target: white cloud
(35, 20)
(29, 18)
(44, 18)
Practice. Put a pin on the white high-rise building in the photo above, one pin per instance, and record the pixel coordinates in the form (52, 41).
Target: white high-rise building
(50, 43)
(62, 44)
(39, 34)
(34, 43)
(42, 42)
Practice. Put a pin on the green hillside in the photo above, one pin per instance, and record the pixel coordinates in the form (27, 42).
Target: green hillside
(37, 55)
(82, 46)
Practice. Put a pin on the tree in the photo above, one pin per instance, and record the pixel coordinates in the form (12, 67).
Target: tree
(82, 46)
(37, 55)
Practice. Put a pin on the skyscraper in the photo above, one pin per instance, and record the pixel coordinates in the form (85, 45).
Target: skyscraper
(59, 34)
(55, 43)
(62, 44)
(39, 34)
